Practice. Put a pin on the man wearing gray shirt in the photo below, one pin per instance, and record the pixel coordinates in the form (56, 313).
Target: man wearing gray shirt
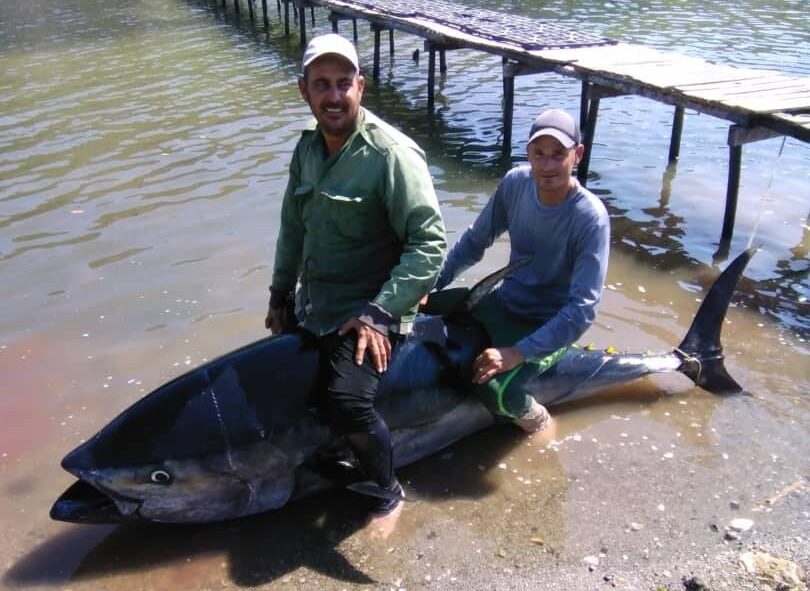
(544, 306)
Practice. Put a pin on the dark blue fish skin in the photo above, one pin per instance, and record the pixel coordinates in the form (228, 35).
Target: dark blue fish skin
(238, 435)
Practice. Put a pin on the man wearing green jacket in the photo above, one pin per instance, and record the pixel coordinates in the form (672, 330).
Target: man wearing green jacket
(363, 238)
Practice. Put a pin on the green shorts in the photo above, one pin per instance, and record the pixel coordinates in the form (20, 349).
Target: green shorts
(505, 394)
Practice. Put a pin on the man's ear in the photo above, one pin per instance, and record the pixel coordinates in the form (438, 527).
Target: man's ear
(361, 84)
(578, 152)
(302, 88)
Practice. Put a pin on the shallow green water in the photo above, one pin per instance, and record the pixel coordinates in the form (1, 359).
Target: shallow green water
(143, 155)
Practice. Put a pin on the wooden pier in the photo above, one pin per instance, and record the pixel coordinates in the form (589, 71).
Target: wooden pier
(759, 104)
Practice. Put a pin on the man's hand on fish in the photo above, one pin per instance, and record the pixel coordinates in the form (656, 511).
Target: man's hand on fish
(494, 361)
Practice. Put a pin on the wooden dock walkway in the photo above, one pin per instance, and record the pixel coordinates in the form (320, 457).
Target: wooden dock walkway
(759, 104)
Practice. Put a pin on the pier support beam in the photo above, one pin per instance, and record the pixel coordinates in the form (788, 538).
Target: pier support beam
(336, 17)
(431, 81)
(593, 93)
(583, 104)
(508, 107)
(510, 71)
(675, 138)
(378, 29)
(302, 23)
(431, 47)
(738, 135)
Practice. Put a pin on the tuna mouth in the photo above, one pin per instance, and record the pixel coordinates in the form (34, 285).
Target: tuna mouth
(84, 503)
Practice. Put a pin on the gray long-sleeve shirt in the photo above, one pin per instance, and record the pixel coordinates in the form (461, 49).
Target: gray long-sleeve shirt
(570, 243)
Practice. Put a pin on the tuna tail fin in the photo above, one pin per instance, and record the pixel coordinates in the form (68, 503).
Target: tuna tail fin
(488, 283)
(701, 351)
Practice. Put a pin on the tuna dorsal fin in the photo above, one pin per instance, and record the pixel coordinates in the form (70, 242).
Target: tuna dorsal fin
(488, 283)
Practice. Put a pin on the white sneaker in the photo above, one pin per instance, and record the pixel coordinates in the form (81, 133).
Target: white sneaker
(535, 419)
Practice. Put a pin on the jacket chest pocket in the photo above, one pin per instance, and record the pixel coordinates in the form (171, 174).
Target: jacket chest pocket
(351, 216)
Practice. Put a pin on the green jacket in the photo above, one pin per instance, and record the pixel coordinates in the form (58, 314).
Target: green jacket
(361, 230)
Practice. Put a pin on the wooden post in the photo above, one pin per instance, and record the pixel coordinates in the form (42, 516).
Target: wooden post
(590, 128)
(376, 70)
(732, 192)
(595, 94)
(675, 140)
(391, 41)
(508, 107)
(442, 61)
(287, 18)
(333, 19)
(250, 10)
(236, 6)
(354, 29)
(737, 136)
(431, 74)
(264, 11)
(584, 100)
(302, 24)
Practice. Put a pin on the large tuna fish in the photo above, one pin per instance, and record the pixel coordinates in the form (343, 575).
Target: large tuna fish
(236, 436)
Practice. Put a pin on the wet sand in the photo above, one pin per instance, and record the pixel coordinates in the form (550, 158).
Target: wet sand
(636, 490)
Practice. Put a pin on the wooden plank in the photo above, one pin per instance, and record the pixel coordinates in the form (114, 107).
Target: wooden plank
(608, 61)
(797, 119)
(659, 79)
(744, 96)
(616, 52)
(757, 79)
(700, 74)
(738, 135)
(742, 93)
(768, 104)
(797, 126)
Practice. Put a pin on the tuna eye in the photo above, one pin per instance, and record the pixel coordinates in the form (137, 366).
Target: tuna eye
(160, 477)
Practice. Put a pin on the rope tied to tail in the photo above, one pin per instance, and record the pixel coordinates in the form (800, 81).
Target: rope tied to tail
(687, 358)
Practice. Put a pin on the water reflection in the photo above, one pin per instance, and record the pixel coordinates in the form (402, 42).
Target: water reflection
(462, 137)
(144, 153)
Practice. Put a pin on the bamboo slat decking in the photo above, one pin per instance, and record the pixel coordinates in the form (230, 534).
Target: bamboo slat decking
(759, 104)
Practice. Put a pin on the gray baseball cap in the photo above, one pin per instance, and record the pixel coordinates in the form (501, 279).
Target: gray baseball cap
(559, 125)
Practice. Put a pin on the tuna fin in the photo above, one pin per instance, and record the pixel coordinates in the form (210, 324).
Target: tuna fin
(488, 283)
(459, 301)
(701, 351)
(372, 489)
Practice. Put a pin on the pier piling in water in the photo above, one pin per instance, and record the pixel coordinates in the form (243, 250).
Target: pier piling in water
(759, 104)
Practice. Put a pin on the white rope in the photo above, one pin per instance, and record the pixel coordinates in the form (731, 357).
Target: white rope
(690, 359)
(767, 193)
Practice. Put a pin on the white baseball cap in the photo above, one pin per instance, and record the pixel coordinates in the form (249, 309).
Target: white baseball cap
(331, 44)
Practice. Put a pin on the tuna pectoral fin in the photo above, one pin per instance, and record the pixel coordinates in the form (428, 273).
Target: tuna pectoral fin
(267, 472)
(462, 300)
(372, 489)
